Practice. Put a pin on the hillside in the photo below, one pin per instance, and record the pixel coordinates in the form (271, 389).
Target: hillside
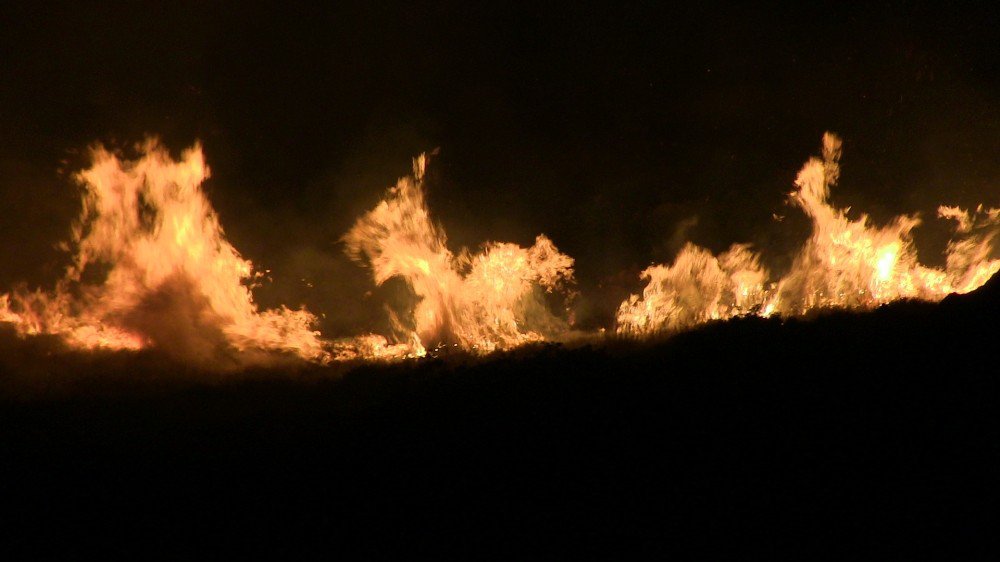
(788, 436)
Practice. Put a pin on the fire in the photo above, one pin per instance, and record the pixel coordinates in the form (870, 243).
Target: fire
(482, 302)
(697, 288)
(375, 347)
(845, 263)
(151, 267)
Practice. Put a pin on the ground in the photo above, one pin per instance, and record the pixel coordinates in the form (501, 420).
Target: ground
(803, 436)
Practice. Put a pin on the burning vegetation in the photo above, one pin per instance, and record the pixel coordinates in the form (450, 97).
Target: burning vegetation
(479, 302)
(845, 263)
(151, 268)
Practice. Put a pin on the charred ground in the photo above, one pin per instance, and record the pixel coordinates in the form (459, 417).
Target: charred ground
(803, 435)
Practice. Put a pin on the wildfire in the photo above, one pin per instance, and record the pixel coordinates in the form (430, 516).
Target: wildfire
(482, 302)
(697, 288)
(151, 268)
(168, 278)
(845, 263)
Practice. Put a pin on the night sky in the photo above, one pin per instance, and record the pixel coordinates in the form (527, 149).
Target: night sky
(619, 131)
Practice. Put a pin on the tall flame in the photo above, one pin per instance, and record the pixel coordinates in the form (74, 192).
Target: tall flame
(482, 302)
(845, 263)
(151, 267)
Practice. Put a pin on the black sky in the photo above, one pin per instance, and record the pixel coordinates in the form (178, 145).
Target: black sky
(608, 128)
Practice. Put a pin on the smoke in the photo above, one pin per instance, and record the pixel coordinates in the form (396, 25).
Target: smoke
(36, 210)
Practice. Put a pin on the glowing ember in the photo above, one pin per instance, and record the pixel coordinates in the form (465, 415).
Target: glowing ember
(480, 302)
(166, 276)
(845, 263)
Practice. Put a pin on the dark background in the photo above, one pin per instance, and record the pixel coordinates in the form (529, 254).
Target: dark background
(607, 129)
(619, 130)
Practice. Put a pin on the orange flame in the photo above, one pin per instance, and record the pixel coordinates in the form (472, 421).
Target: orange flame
(697, 288)
(479, 302)
(168, 278)
(845, 263)
(151, 268)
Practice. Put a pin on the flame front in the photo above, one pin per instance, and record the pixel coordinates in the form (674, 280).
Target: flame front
(480, 302)
(166, 275)
(845, 263)
(151, 268)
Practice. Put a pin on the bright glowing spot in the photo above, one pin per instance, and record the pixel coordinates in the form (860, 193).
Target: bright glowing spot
(885, 263)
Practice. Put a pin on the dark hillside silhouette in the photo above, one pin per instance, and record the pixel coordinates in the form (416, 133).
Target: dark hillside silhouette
(804, 436)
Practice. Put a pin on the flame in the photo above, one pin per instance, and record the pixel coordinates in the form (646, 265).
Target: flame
(845, 263)
(166, 275)
(480, 302)
(151, 268)
(375, 347)
(697, 288)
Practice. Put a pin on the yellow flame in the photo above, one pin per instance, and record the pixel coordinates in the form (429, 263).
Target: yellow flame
(845, 263)
(151, 267)
(172, 279)
(698, 287)
(480, 302)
